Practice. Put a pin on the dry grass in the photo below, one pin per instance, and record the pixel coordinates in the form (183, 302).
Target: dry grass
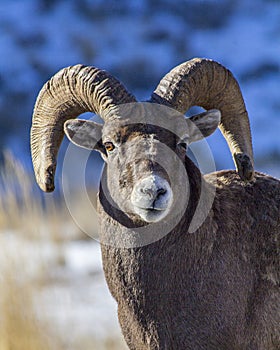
(20, 328)
(21, 206)
(25, 214)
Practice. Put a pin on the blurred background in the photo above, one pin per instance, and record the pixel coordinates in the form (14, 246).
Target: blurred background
(52, 286)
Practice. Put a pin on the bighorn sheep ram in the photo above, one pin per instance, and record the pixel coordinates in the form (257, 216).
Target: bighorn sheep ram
(214, 288)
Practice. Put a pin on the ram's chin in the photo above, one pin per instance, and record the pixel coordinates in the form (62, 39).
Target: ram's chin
(151, 215)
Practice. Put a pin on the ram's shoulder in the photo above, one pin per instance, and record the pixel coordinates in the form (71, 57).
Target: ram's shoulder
(259, 199)
(230, 180)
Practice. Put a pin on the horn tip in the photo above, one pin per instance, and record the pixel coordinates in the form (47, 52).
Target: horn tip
(47, 187)
(46, 182)
(244, 166)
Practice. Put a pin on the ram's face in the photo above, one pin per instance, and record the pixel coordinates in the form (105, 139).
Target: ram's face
(145, 161)
(139, 177)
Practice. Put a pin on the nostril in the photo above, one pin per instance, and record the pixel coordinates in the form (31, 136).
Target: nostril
(161, 191)
(145, 190)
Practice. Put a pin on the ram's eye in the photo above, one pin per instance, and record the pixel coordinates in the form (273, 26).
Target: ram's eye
(109, 146)
(183, 145)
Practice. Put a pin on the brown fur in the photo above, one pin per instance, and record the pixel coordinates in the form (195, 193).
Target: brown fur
(216, 288)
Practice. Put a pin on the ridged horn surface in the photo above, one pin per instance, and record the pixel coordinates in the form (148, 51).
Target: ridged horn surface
(206, 83)
(69, 93)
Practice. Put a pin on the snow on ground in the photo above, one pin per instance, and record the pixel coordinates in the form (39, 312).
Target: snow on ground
(73, 294)
(79, 299)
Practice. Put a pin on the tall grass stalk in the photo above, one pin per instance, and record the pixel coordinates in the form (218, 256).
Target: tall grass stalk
(21, 206)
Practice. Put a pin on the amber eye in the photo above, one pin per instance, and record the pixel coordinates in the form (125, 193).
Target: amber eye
(109, 146)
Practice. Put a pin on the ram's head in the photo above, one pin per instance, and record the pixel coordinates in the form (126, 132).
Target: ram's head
(142, 143)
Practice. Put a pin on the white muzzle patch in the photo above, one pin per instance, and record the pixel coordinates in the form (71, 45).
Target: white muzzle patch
(152, 198)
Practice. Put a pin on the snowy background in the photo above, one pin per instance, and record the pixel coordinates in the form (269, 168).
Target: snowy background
(138, 42)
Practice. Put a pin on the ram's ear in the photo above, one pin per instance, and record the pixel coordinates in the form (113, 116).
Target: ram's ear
(84, 133)
(203, 124)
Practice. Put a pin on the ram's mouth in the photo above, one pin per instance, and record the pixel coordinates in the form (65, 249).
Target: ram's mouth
(153, 209)
(151, 214)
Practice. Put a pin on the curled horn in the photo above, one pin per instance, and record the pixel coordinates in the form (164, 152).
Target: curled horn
(70, 92)
(208, 84)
